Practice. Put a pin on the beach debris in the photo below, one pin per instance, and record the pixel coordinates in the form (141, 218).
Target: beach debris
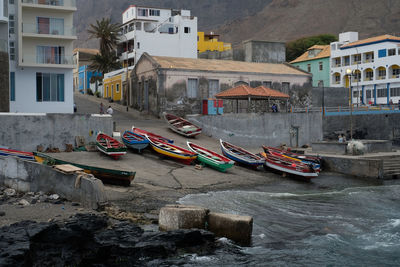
(355, 148)
(198, 167)
(80, 141)
(54, 197)
(23, 202)
(39, 148)
(10, 192)
(53, 150)
(69, 148)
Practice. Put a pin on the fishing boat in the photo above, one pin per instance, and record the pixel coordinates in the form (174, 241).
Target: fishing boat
(107, 176)
(182, 126)
(240, 155)
(144, 132)
(110, 146)
(16, 153)
(172, 151)
(210, 158)
(290, 166)
(315, 162)
(135, 141)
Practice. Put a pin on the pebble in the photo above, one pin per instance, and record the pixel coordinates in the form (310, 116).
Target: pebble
(10, 192)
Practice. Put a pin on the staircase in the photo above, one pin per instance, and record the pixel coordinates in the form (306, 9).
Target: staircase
(391, 168)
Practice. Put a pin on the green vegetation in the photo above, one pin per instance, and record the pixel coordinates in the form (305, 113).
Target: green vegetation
(108, 34)
(296, 48)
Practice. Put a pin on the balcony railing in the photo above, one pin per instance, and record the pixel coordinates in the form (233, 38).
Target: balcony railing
(64, 3)
(3, 46)
(48, 59)
(48, 29)
(381, 77)
(395, 76)
(368, 78)
(369, 60)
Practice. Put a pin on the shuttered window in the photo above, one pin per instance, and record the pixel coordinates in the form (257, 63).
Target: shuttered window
(192, 88)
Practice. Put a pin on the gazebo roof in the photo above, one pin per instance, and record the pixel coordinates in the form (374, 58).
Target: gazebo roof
(244, 92)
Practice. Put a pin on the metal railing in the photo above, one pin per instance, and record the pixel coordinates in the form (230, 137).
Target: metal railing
(65, 3)
(42, 28)
(3, 45)
(48, 59)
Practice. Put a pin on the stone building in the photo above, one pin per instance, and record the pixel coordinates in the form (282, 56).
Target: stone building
(179, 85)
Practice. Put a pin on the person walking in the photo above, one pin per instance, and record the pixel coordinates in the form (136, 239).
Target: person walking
(110, 110)
(101, 108)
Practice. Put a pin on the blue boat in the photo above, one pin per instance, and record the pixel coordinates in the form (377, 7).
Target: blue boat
(16, 153)
(240, 155)
(135, 141)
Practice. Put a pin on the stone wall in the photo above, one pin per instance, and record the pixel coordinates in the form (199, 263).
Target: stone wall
(371, 126)
(26, 131)
(272, 129)
(4, 83)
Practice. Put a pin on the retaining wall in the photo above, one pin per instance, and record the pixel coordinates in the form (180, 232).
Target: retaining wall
(355, 166)
(26, 131)
(27, 176)
(272, 129)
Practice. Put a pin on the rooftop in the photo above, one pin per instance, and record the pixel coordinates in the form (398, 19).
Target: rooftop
(325, 52)
(86, 50)
(244, 92)
(372, 40)
(226, 66)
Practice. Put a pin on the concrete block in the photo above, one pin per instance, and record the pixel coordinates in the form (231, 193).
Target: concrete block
(173, 217)
(235, 227)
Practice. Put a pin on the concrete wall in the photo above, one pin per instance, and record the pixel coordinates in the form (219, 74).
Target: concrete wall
(254, 130)
(26, 176)
(371, 126)
(330, 96)
(4, 83)
(355, 166)
(264, 51)
(27, 131)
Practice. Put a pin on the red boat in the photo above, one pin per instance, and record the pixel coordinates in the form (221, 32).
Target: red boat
(288, 165)
(182, 126)
(144, 132)
(110, 146)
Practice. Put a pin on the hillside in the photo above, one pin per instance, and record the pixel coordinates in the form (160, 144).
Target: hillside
(274, 20)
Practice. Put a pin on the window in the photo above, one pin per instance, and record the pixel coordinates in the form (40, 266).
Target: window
(369, 75)
(117, 88)
(143, 12)
(50, 55)
(12, 50)
(382, 53)
(11, 24)
(337, 79)
(267, 84)
(138, 26)
(308, 67)
(321, 66)
(138, 45)
(392, 52)
(12, 86)
(357, 58)
(320, 83)
(346, 61)
(11, 2)
(112, 90)
(213, 86)
(382, 92)
(192, 88)
(396, 73)
(187, 29)
(368, 93)
(49, 87)
(285, 87)
(355, 94)
(382, 72)
(395, 91)
(107, 91)
(154, 12)
(50, 26)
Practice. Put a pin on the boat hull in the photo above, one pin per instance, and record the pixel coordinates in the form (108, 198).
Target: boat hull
(252, 162)
(218, 166)
(135, 141)
(107, 176)
(110, 146)
(15, 153)
(172, 151)
(308, 175)
(182, 126)
(210, 158)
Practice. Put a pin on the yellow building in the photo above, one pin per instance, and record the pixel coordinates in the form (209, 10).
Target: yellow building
(114, 84)
(209, 42)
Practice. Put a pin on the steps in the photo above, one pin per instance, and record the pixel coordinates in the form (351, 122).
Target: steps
(391, 167)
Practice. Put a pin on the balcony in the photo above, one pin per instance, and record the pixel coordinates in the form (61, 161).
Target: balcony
(48, 60)
(381, 78)
(369, 60)
(67, 5)
(48, 31)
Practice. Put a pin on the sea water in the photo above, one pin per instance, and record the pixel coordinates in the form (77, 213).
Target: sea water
(354, 226)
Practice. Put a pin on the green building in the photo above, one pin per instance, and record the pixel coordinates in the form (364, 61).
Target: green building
(316, 62)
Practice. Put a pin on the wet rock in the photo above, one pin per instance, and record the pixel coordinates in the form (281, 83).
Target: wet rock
(75, 204)
(10, 192)
(2, 213)
(92, 240)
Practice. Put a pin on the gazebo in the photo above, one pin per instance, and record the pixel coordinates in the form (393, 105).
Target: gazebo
(250, 99)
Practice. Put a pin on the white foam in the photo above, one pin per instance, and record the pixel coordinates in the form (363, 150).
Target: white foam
(395, 222)
(197, 258)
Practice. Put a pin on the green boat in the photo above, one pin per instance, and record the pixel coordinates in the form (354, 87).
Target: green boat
(210, 158)
(107, 176)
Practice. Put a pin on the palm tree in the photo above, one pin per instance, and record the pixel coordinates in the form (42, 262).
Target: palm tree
(107, 32)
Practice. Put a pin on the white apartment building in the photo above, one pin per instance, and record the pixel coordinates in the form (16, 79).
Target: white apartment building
(373, 64)
(157, 31)
(41, 62)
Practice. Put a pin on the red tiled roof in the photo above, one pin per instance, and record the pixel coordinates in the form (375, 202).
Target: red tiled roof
(385, 37)
(244, 91)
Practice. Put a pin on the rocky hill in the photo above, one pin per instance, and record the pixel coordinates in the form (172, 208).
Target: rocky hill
(275, 20)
